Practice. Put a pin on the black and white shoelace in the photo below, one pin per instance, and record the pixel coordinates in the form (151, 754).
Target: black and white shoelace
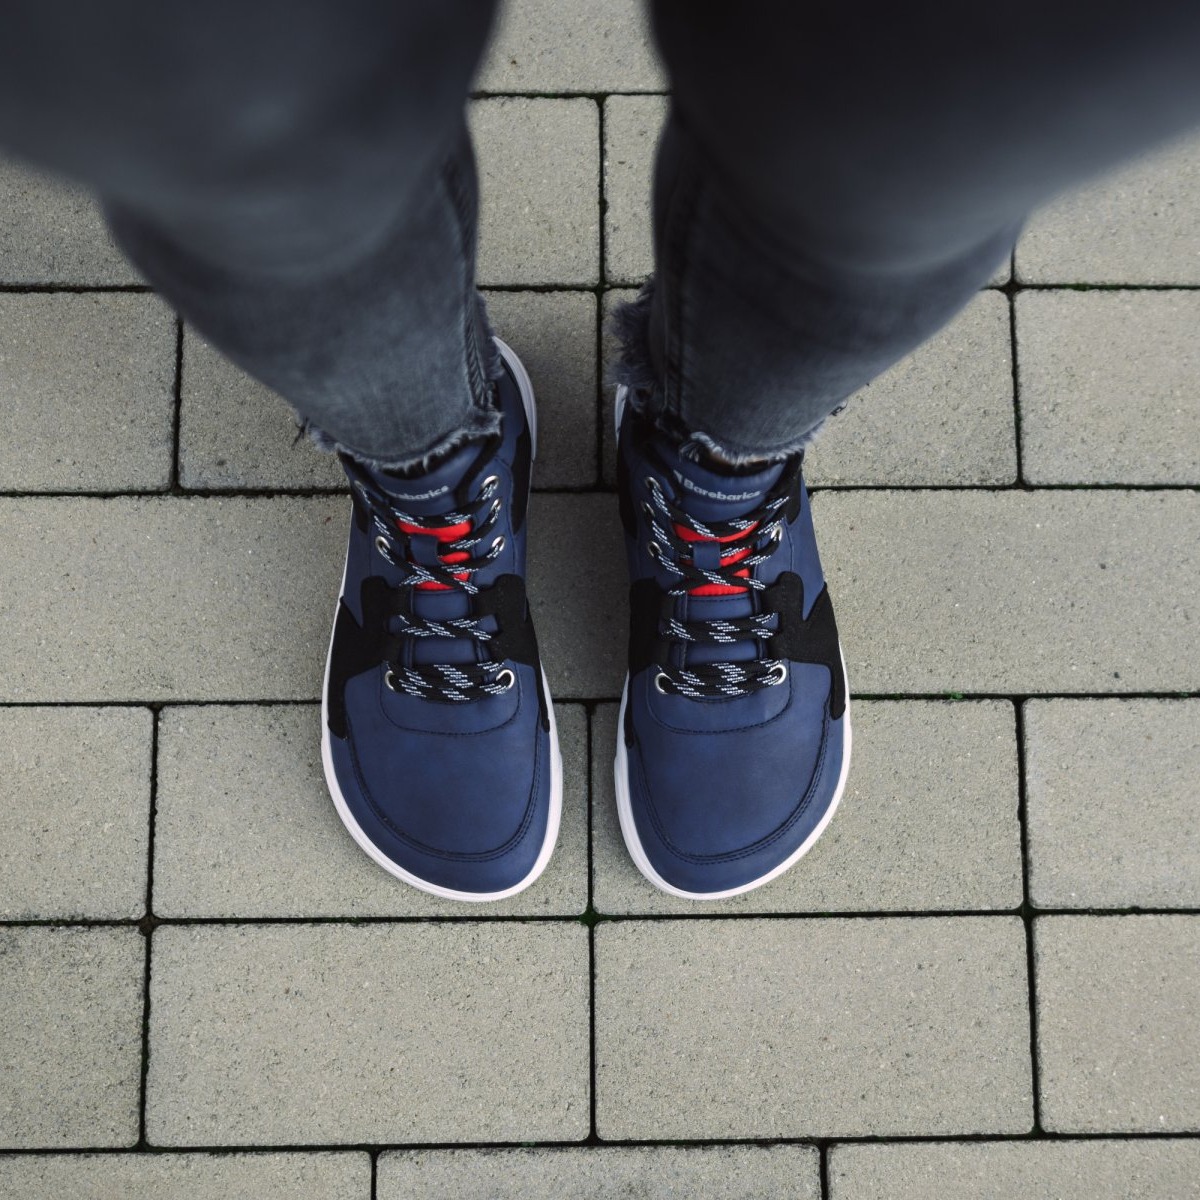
(759, 533)
(394, 529)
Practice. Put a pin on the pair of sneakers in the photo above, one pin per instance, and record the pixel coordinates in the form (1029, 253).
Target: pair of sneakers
(438, 735)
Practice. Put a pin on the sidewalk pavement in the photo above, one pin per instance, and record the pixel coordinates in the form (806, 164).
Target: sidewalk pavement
(983, 982)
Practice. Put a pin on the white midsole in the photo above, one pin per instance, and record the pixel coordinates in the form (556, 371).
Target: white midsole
(555, 816)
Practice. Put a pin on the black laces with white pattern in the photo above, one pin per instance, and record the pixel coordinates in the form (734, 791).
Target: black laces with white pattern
(745, 542)
(469, 550)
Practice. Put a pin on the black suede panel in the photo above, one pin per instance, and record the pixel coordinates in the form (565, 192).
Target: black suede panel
(811, 640)
(625, 497)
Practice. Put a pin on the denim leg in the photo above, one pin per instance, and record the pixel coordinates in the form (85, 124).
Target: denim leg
(294, 176)
(836, 181)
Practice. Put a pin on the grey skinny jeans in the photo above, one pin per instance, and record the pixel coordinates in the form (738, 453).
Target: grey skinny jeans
(834, 182)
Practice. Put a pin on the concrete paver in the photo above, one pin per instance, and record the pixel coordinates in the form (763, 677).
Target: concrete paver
(52, 232)
(766, 1029)
(571, 46)
(169, 599)
(70, 1036)
(942, 416)
(1060, 1170)
(1109, 386)
(245, 826)
(234, 432)
(577, 591)
(928, 821)
(1118, 1021)
(87, 391)
(74, 812)
(1137, 225)
(296, 1034)
(554, 333)
(968, 591)
(1111, 797)
(631, 129)
(279, 1176)
(539, 166)
(608, 1173)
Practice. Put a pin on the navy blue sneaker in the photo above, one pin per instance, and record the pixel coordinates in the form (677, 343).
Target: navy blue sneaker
(734, 736)
(438, 734)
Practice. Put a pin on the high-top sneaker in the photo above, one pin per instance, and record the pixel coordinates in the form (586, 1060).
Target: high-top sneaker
(734, 737)
(438, 734)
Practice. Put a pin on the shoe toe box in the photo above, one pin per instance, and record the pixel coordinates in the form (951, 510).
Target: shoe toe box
(720, 811)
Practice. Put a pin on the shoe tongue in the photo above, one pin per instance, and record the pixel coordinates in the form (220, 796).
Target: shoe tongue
(711, 494)
(714, 495)
(433, 491)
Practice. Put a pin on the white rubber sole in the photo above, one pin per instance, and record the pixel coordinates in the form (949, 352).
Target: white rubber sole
(625, 807)
(555, 818)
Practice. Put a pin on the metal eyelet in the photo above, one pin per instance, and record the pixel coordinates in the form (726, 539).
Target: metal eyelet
(776, 675)
(647, 510)
(496, 504)
(391, 681)
(776, 535)
(381, 544)
(654, 550)
(659, 679)
(651, 484)
(507, 676)
(489, 485)
(498, 545)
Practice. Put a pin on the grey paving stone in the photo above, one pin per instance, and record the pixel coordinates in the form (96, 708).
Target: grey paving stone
(539, 182)
(1109, 386)
(1039, 1170)
(571, 46)
(963, 591)
(631, 127)
(278, 1176)
(1111, 790)
(87, 392)
(1139, 225)
(577, 592)
(245, 826)
(366, 1033)
(168, 599)
(74, 812)
(70, 1036)
(609, 1173)
(52, 232)
(555, 335)
(928, 821)
(1118, 1023)
(944, 415)
(234, 432)
(768, 1028)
